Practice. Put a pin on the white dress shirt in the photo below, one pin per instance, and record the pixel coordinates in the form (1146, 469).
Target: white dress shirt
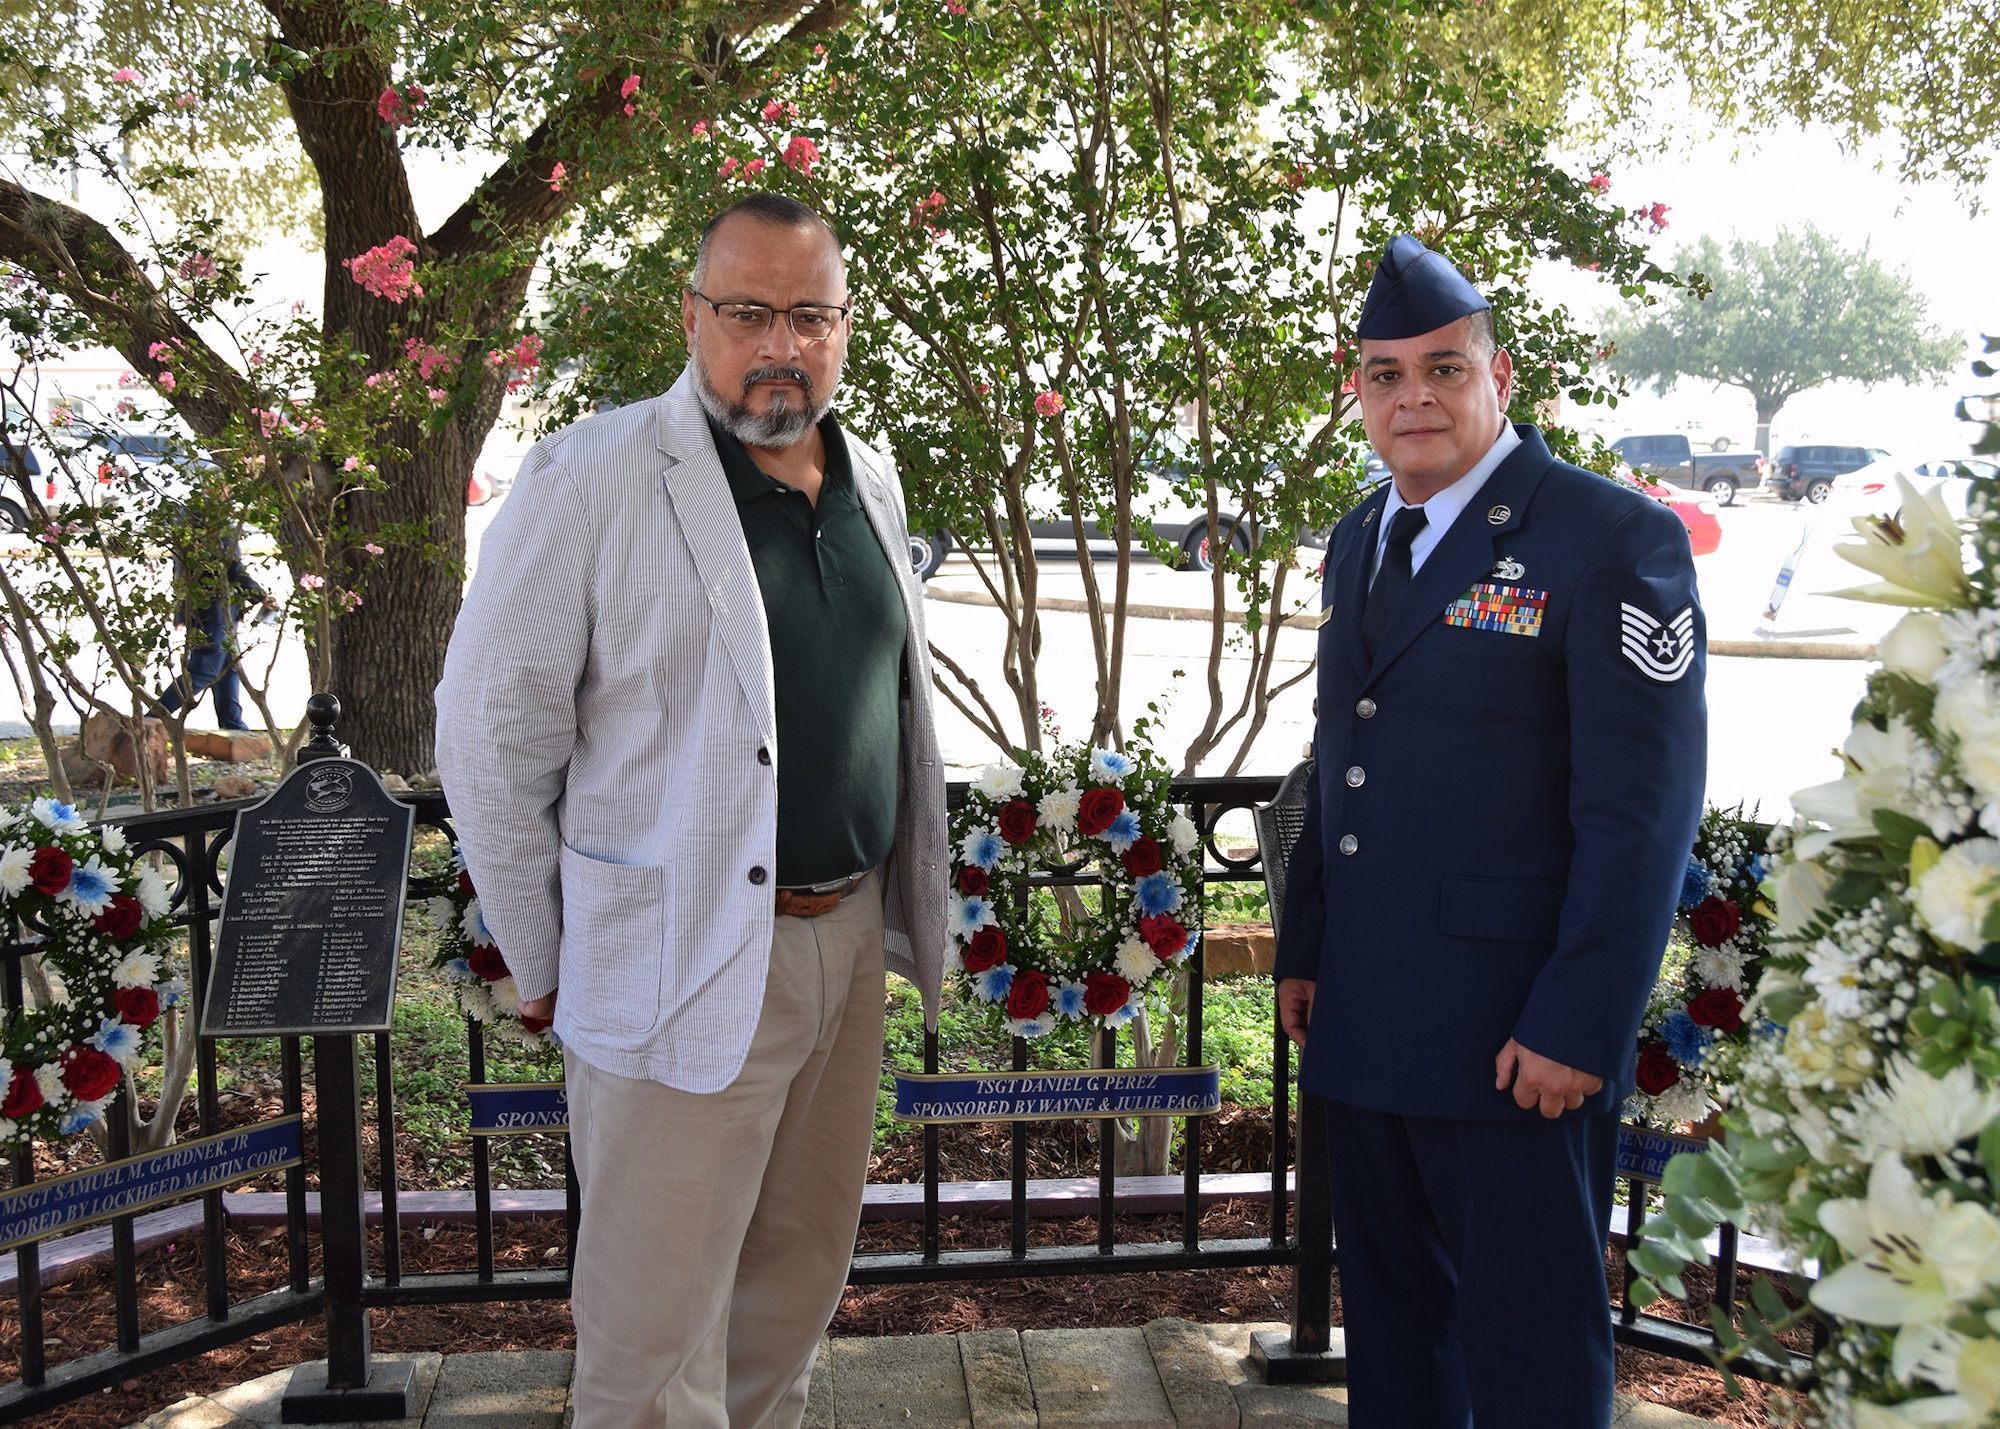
(1445, 507)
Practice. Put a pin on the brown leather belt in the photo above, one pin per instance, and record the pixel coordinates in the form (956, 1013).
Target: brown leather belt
(820, 898)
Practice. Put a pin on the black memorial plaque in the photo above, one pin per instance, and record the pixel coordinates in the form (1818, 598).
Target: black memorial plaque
(312, 915)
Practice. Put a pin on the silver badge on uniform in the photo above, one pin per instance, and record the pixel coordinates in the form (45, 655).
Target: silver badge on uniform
(1498, 515)
(1368, 519)
(1509, 569)
(1661, 649)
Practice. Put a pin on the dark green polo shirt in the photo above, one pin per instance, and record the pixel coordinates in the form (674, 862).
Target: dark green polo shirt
(837, 632)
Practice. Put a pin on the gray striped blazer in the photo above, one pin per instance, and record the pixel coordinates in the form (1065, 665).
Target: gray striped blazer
(604, 698)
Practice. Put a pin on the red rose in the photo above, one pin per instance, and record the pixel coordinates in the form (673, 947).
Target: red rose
(1104, 993)
(1017, 821)
(486, 962)
(137, 1006)
(24, 1095)
(972, 880)
(1657, 1068)
(121, 918)
(465, 882)
(1717, 1007)
(1163, 935)
(536, 1024)
(988, 949)
(1029, 995)
(88, 1073)
(1096, 809)
(49, 870)
(1142, 858)
(1714, 921)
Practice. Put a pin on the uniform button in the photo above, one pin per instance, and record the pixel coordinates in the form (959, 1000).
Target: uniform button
(1356, 777)
(757, 874)
(764, 755)
(1349, 844)
(1365, 708)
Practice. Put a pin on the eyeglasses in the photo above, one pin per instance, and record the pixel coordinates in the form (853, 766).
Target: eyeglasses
(810, 322)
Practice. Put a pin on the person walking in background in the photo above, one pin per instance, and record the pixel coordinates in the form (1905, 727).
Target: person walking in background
(685, 728)
(210, 609)
(1509, 772)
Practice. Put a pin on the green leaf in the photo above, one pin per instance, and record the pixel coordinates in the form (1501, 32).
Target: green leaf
(1694, 1215)
(1641, 1291)
(1899, 832)
(1718, 1185)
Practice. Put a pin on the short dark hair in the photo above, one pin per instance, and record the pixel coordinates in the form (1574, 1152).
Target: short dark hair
(1483, 329)
(771, 209)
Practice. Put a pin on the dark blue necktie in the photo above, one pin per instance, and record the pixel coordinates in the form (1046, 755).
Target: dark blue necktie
(1392, 580)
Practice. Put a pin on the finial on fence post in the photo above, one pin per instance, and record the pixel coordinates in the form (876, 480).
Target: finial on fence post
(323, 710)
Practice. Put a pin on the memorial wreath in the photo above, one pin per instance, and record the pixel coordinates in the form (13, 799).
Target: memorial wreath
(1040, 959)
(1697, 1021)
(471, 961)
(100, 912)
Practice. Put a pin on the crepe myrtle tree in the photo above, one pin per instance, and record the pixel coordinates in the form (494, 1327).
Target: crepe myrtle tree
(1100, 248)
(158, 140)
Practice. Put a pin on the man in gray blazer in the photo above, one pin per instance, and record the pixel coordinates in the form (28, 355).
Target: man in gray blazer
(685, 728)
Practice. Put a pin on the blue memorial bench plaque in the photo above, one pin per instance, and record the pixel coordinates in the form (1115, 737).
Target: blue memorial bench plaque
(1058, 1096)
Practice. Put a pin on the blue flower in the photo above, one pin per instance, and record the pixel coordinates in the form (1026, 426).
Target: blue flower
(1760, 868)
(116, 1040)
(1695, 883)
(475, 924)
(1124, 832)
(459, 968)
(982, 848)
(1156, 893)
(1069, 999)
(1686, 1039)
(1108, 766)
(1126, 1013)
(88, 886)
(992, 984)
(79, 1117)
(966, 916)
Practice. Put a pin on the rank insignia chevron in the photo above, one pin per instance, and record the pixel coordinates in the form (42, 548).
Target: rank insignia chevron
(1662, 650)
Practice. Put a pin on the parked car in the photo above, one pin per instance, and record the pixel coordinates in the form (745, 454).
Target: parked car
(1806, 473)
(1696, 510)
(1671, 458)
(1974, 466)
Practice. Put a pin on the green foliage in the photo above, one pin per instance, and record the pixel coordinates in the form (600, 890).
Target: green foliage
(1783, 317)
(1959, 1022)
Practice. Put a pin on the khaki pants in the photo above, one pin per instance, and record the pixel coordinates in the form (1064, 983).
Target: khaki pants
(717, 1228)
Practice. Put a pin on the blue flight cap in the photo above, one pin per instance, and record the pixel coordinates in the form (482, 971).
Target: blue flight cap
(1415, 291)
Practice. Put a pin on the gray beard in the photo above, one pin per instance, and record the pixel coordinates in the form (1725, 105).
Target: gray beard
(783, 424)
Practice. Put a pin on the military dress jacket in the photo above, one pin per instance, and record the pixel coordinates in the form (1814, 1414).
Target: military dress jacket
(1504, 798)
(607, 738)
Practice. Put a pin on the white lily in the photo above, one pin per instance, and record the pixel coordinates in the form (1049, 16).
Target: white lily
(1918, 552)
(1912, 1113)
(1910, 1257)
(1914, 645)
(1799, 888)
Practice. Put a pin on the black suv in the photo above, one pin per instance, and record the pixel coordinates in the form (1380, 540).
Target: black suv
(1807, 473)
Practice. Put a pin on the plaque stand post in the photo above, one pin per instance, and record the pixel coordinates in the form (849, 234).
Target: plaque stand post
(1314, 1352)
(347, 1387)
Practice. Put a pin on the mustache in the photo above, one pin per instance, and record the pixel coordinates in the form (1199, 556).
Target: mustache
(777, 374)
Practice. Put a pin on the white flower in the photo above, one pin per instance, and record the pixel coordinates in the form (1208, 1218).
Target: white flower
(1815, 1132)
(152, 892)
(57, 818)
(473, 997)
(1032, 1026)
(6, 1079)
(1910, 1258)
(49, 1078)
(1800, 887)
(1919, 553)
(1967, 713)
(137, 968)
(1685, 1100)
(8, 1130)
(474, 924)
(1835, 974)
(1058, 808)
(999, 781)
(1913, 1113)
(506, 998)
(1109, 767)
(1971, 640)
(113, 839)
(966, 916)
(1184, 836)
(1833, 805)
(1135, 962)
(1914, 645)
(441, 911)
(1955, 893)
(14, 870)
(1966, 1368)
(1720, 966)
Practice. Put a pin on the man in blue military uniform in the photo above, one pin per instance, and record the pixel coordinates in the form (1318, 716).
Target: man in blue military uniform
(1510, 759)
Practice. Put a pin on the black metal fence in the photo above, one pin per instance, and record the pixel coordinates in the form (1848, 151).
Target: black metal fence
(342, 1291)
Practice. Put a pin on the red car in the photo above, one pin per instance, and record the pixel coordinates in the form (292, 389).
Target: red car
(1695, 508)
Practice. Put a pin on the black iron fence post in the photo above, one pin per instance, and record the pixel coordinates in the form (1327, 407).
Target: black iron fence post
(1313, 1352)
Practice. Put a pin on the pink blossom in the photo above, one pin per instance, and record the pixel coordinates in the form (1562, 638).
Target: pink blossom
(350, 598)
(127, 75)
(1600, 183)
(956, 7)
(427, 357)
(268, 422)
(353, 463)
(438, 396)
(386, 270)
(184, 100)
(60, 414)
(772, 111)
(630, 110)
(166, 382)
(197, 267)
(398, 109)
(728, 166)
(124, 409)
(1656, 216)
(160, 352)
(700, 130)
(753, 168)
(372, 549)
(802, 154)
(128, 378)
(984, 388)
(556, 176)
(311, 582)
(1050, 404)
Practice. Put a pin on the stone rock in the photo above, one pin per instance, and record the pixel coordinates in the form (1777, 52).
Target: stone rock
(1238, 950)
(235, 786)
(395, 784)
(231, 746)
(105, 740)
